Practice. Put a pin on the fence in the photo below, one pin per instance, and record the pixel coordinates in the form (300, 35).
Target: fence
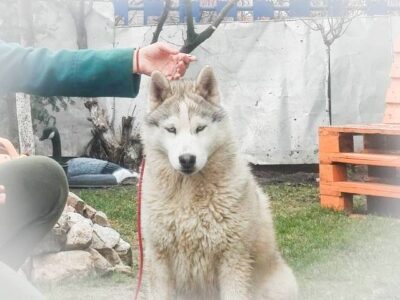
(259, 9)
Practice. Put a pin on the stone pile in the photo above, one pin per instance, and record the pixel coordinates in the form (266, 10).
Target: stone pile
(82, 243)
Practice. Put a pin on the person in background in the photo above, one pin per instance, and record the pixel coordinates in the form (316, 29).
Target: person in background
(33, 190)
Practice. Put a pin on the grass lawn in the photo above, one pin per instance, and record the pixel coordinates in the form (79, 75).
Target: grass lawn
(120, 206)
(305, 232)
(334, 256)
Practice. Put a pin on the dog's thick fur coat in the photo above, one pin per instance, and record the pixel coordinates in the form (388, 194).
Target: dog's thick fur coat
(208, 234)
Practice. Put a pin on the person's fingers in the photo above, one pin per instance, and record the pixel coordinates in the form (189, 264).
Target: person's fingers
(168, 48)
(181, 68)
(176, 76)
(2, 188)
(189, 58)
(181, 64)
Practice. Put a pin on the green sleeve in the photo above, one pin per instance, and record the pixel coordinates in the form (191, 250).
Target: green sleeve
(80, 73)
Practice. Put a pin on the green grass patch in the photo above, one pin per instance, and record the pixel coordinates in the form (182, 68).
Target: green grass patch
(306, 233)
(119, 204)
(334, 256)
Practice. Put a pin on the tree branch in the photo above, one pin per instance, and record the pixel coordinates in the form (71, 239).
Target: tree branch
(193, 43)
(161, 21)
(78, 15)
(191, 33)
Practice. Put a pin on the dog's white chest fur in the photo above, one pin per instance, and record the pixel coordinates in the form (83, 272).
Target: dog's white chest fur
(191, 231)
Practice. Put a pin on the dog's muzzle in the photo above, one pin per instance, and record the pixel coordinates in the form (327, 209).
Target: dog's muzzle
(187, 161)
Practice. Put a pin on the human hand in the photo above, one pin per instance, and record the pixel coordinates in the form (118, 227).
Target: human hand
(2, 194)
(161, 57)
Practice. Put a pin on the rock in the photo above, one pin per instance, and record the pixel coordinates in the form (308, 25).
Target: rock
(69, 208)
(102, 266)
(123, 269)
(111, 255)
(101, 219)
(104, 237)
(124, 251)
(56, 267)
(76, 202)
(79, 236)
(122, 246)
(53, 242)
(73, 218)
(63, 221)
(97, 243)
(89, 212)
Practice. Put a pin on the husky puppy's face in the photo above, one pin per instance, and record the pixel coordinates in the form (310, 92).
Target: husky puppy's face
(185, 120)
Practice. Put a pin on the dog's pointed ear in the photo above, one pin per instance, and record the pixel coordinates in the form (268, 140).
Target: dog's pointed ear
(159, 89)
(206, 85)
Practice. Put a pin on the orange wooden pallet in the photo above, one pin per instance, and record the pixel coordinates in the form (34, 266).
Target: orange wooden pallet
(380, 155)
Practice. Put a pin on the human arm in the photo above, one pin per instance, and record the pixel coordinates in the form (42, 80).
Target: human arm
(86, 73)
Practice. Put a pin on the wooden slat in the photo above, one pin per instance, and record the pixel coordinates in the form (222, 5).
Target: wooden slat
(395, 71)
(389, 129)
(330, 141)
(330, 173)
(392, 113)
(337, 203)
(329, 189)
(393, 92)
(363, 159)
(369, 189)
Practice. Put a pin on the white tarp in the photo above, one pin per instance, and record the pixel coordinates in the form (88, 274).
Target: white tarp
(272, 78)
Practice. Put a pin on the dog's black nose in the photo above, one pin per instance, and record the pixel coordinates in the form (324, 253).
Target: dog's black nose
(187, 161)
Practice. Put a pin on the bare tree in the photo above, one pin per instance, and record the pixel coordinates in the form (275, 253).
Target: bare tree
(331, 28)
(23, 103)
(161, 21)
(193, 39)
(79, 13)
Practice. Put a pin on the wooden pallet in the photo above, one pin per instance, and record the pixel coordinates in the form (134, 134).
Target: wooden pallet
(392, 112)
(380, 153)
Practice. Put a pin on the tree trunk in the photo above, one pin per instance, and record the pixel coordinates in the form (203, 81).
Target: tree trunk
(25, 129)
(105, 145)
(23, 103)
(328, 92)
(12, 132)
(79, 15)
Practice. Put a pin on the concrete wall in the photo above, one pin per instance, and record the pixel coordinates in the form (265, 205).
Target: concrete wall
(271, 75)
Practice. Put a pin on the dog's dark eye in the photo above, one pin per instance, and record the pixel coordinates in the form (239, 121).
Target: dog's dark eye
(171, 129)
(200, 128)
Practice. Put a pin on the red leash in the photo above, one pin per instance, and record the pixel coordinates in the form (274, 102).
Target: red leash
(139, 230)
